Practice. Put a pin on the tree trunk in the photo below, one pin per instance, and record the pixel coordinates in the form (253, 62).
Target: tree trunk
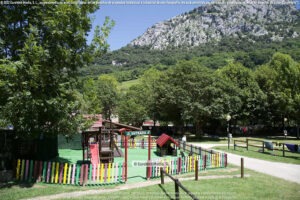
(199, 131)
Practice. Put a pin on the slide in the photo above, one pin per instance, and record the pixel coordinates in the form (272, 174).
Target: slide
(94, 148)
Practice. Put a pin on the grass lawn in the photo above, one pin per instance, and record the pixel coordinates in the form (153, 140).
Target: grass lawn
(127, 84)
(275, 156)
(15, 191)
(257, 186)
(224, 140)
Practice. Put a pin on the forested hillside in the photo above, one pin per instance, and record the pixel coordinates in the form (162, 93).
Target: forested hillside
(247, 33)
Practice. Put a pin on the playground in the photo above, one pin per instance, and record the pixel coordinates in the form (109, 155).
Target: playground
(71, 152)
(138, 162)
(135, 173)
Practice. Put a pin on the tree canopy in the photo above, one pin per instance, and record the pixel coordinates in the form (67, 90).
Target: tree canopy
(41, 49)
(188, 93)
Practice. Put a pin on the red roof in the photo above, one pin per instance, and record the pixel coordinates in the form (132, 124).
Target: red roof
(164, 138)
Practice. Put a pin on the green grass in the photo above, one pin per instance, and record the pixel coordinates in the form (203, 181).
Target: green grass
(135, 173)
(253, 152)
(224, 140)
(127, 84)
(15, 191)
(257, 186)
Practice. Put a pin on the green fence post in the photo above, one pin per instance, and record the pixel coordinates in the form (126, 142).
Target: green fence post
(30, 171)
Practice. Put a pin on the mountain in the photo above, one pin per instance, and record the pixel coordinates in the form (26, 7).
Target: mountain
(224, 18)
(212, 35)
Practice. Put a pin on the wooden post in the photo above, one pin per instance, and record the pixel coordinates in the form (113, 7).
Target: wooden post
(162, 180)
(247, 143)
(263, 147)
(196, 170)
(242, 167)
(283, 151)
(83, 144)
(149, 156)
(176, 189)
(126, 154)
(205, 158)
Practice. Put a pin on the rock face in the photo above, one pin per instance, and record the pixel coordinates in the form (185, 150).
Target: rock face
(224, 18)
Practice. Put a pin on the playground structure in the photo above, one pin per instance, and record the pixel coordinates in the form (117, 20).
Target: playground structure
(269, 145)
(99, 142)
(166, 145)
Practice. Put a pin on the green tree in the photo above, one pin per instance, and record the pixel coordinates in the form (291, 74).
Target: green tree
(191, 93)
(131, 108)
(252, 98)
(108, 93)
(149, 96)
(279, 79)
(41, 48)
(91, 103)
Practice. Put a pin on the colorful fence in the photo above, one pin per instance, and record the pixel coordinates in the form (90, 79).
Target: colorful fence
(71, 174)
(187, 164)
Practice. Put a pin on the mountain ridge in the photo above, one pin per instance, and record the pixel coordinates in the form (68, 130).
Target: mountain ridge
(214, 21)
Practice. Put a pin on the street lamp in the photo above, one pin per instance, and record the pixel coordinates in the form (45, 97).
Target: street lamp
(228, 118)
(284, 130)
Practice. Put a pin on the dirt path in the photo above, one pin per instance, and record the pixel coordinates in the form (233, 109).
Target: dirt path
(122, 187)
(289, 172)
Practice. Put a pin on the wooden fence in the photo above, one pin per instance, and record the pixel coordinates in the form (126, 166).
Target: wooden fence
(263, 144)
(177, 185)
(252, 143)
(180, 165)
(70, 174)
(192, 149)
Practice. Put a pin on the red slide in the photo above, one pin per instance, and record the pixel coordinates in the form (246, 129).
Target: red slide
(94, 153)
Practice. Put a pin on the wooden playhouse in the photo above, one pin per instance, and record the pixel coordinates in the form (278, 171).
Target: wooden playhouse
(166, 145)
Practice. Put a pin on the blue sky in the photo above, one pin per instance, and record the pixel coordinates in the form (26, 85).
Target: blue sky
(133, 20)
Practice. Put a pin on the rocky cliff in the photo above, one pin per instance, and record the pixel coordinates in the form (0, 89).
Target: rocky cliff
(224, 18)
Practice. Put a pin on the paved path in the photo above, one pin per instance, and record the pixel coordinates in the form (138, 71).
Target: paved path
(290, 172)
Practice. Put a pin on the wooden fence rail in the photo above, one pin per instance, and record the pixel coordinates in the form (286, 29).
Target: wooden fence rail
(67, 173)
(177, 185)
(248, 143)
(194, 149)
(293, 148)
